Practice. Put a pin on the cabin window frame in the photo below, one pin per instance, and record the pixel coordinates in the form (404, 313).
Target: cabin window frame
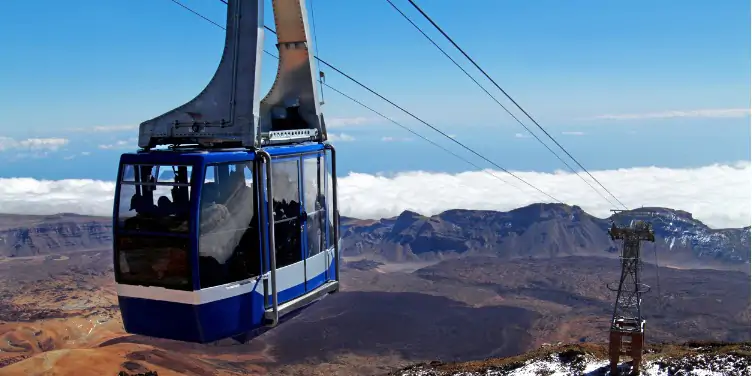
(139, 189)
(329, 197)
(323, 168)
(321, 213)
(236, 268)
(277, 160)
(120, 232)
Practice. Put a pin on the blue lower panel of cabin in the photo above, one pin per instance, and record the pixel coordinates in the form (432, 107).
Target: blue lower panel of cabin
(207, 322)
(332, 270)
(291, 293)
(316, 281)
(192, 323)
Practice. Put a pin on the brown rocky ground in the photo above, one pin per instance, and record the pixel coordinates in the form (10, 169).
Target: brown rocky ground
(58, 316)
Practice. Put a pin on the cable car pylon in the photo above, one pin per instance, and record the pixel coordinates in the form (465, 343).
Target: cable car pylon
(627, 331)
(226, 220)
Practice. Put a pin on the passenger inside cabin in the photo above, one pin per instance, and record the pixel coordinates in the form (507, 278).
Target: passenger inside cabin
(144, 208)
(165, 207)
(164, 215)
(143, 205)
(180, 200)
(287, 232)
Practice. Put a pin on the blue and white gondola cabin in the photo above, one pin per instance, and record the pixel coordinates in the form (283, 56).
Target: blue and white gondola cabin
(234, 225)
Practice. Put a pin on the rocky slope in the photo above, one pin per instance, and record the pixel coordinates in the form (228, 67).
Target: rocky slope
(679, 232)
(542, 230)
(31, 235)
(60, 313)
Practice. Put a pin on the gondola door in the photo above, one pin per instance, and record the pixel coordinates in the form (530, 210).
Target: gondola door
(314, 236)
(289, 223)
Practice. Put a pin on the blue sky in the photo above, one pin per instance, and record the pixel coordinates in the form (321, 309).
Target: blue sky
(675, 74)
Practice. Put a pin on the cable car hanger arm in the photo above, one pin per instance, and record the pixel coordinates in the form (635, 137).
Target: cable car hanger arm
(229, 109)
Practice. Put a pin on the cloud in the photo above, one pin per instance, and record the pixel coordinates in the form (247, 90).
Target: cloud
(342, 137)
(718, 195)
(36, 144)
(711, 113)
(35, 154)
(26, 195)
(573, 133)
(121, 144)
(106, 128)
(341, 122)
(521, 135)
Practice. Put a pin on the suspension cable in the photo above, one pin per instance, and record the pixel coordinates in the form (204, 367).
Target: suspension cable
(437, 130)
(401, 109)
(497, 101)
(316, 47)
(409, 129)
(423, 137)
(199, 14)
(510, 98)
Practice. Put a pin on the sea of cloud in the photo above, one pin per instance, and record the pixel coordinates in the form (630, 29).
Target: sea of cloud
(719, 195)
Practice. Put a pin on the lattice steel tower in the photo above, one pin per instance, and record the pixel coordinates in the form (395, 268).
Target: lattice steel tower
(627, 335)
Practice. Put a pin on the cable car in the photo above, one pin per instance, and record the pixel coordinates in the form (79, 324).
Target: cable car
(226, 221)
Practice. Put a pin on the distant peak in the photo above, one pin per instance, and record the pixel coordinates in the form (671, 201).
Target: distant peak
(405, 220)
(546, 209)
(409, 214)
(548, 206)
(657, 211)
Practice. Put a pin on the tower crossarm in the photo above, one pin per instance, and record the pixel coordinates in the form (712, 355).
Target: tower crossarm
(638, 231)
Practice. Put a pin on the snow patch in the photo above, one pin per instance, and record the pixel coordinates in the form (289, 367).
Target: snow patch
(552, 365)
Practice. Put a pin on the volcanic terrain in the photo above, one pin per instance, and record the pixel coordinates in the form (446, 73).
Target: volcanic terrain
(460, 286)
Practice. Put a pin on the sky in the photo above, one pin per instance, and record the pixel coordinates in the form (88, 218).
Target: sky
(651, 97)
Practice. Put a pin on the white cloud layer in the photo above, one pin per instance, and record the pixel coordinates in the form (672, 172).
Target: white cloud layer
(341, 122)
(718, 195)
(709, 113)
(7, 143)
(107, 128)
(130, 143)
(341, 137)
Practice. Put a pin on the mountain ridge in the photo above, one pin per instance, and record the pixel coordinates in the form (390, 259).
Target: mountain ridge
(538, 230)
(541, 230)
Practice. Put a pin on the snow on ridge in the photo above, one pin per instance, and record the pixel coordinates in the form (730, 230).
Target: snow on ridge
(586, 365)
